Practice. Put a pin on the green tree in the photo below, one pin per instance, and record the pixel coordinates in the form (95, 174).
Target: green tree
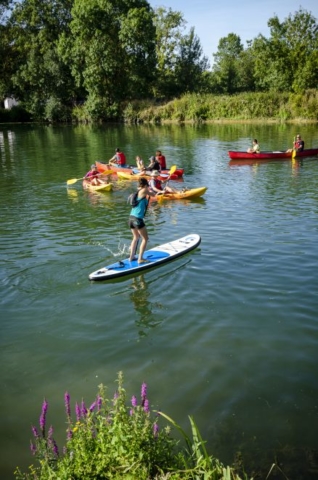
(111, 50)
(288, 60)
(39, 74)
(226, 64)
(6, 50)
(169, 26)
(191, 64)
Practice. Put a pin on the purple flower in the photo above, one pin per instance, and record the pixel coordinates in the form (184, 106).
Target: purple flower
(146, 405)
(116, 395)
(83, 409)
(131, 412)
(99, 402)
(50, 433)
(35, 432)
(143, 391)
(92, 407)
(33, 448)
(77, 411)
(43, 416)
(155, 430)
(134, 401)
(67, 400)
(69, 434)
(55, 448)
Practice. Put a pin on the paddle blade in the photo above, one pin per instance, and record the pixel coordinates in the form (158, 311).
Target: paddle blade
(294, 154)
(72, 180)
(107, 172)
(172, 169)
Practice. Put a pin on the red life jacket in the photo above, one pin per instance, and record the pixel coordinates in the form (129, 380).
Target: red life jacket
(162, 160)
(121, 159)
(157, 183)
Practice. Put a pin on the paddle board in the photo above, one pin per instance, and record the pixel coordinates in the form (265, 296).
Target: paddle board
(155, 256)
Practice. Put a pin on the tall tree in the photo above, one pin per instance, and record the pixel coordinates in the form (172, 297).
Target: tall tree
(226, 61)
(169, 26)
(191, 64)
(6, 50)
(35, 29)
(287, 61)
(112, 51)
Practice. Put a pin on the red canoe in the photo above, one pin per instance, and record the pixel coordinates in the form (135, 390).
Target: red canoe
(310, 152)
(101, 167)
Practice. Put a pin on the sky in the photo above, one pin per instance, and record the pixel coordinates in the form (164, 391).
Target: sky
(214, 19)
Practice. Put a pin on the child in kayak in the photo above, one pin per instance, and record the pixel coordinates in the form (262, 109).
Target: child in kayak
(92, 176)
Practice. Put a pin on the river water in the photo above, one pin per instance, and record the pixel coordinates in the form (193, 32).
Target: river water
(227, 333)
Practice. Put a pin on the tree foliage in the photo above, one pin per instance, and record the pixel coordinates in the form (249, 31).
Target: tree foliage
(56, 55)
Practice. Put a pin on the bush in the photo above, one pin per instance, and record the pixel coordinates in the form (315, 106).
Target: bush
(113, 441)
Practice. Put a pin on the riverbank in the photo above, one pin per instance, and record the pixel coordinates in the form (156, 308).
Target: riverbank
(260, 107)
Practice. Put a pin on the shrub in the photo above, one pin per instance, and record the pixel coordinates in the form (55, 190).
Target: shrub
(113, 441)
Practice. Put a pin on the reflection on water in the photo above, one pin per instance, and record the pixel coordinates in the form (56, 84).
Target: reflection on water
(147, 318)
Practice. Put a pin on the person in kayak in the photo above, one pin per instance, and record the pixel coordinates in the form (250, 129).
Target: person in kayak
(140, 163)
(154, 164)
(299, 145)
(255, 147)
(118, 159)
(136, 221)
(92, 176)
(158, 186)
(161, 159)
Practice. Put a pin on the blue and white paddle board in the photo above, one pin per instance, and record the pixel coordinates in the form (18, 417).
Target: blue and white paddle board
(155, 256)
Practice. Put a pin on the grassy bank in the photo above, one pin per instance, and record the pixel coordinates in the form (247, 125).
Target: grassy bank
(270, 106)
(194, 108)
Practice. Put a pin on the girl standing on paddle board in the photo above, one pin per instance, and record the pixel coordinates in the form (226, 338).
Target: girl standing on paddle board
(136, 221)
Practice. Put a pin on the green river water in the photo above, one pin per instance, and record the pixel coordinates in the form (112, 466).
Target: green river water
(227, 333)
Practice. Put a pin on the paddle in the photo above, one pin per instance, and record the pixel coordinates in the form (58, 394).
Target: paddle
(74, 180)
(294, 149)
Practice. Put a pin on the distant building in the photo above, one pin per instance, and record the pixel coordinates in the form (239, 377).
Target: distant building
(10, 102)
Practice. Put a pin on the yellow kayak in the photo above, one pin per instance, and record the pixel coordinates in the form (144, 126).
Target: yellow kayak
(183, 194)
(105, 187)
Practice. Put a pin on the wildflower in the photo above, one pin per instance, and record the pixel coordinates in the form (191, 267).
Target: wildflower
(35, 432)
(134, 401)
(55, 448)
(50, 435)
(146, 405)
(99, 402)
(43, 417)
(155, 430)
(33, 448)
(69, 433)
(92, 407)
(143, 391)
(77, 411)
(67, 400)
(83, 409)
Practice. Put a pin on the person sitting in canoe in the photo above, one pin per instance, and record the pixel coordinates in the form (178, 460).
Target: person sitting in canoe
(161, 159)
(92, 176)
(118, 159)
(158, 186)
(254, 148)
(154, 165)
(298, 146)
